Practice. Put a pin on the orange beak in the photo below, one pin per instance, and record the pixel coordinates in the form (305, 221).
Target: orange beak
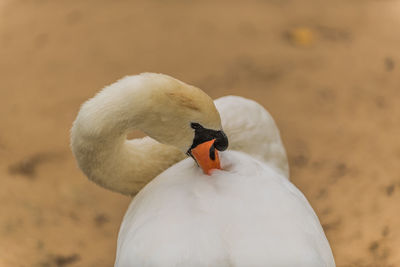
(207, 156)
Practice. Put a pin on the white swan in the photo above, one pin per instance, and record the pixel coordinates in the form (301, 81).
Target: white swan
(247, 214)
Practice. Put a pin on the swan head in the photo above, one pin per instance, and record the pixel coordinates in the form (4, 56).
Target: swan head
(180, 115)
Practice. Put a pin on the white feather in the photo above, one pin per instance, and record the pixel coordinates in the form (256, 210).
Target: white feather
(251, 129)
(246, 215)
(249, 214)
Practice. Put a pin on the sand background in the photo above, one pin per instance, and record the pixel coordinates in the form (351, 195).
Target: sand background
(328, 71)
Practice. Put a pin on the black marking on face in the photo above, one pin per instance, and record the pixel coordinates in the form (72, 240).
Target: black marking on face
(202, 135)
(212, 152)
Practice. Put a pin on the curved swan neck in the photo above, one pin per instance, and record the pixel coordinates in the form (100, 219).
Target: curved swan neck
(98, 139)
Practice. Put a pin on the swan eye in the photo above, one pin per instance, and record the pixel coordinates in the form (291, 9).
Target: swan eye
(196, 126)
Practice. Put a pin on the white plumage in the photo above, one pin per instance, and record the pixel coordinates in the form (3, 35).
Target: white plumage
(249, 214)
(246, 215)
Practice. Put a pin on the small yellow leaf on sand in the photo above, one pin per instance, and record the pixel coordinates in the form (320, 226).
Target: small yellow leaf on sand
(301, 36)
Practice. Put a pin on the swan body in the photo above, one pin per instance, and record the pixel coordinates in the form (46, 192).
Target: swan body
(247, 214)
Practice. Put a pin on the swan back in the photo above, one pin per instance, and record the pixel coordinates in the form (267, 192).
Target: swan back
(251, 129)
(246, 215)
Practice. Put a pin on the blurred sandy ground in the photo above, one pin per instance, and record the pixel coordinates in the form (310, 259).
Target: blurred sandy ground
(328, 71)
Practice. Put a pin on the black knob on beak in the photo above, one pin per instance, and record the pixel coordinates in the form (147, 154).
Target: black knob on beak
(202, 135)
(221, 141)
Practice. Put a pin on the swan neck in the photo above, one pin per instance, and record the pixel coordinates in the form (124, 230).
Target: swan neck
(99, 144)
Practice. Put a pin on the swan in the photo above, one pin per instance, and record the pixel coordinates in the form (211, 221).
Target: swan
(196, 203)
